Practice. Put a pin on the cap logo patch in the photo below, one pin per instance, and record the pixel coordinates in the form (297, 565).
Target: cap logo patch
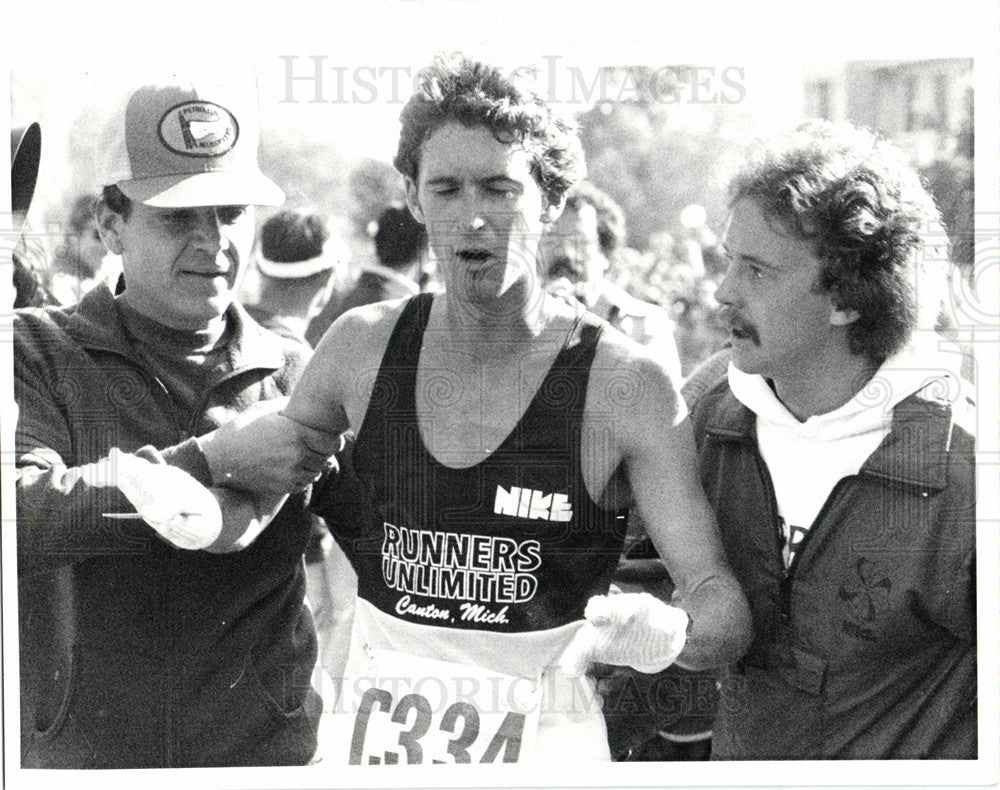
(199, 128)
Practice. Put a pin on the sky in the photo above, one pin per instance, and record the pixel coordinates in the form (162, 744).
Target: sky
(340, 72)
(99, 49)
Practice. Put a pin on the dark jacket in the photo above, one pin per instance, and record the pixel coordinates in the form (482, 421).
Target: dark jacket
(135, 653)
(374, 284)
(866, 647)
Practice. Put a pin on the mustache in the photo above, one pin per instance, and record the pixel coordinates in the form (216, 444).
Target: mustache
(741, 327)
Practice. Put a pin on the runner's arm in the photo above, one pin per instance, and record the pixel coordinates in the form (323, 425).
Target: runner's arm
(657, 446)
(332, 394)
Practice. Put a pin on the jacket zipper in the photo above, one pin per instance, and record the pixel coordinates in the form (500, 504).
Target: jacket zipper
(138, 363)
(772, 505)
(788, 572)
(785, 588)
(180, 431)
(818, 521)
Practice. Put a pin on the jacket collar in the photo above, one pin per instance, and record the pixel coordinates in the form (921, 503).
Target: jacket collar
(406, 285)
(96, 324)
(914, 452)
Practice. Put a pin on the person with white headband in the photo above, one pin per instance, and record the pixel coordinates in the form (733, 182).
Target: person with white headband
(299, 257)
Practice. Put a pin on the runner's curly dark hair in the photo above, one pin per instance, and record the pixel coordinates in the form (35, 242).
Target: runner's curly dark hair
(457, 88)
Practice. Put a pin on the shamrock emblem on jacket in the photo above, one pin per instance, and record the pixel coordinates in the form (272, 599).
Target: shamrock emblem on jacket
(867, 597)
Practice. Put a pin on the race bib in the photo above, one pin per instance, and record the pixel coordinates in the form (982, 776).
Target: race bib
(410, 709)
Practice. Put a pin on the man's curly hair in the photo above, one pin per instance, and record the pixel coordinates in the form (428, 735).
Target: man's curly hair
(457, 88)
(869, 218)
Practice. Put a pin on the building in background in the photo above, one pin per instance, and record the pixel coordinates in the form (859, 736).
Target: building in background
(924, 106)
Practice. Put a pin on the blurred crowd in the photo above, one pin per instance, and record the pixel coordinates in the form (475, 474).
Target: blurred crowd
(680, 273)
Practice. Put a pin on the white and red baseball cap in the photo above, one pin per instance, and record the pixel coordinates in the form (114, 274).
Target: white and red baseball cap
(182, 145)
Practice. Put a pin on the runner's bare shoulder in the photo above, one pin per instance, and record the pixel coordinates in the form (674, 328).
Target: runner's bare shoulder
(361, 331)
(344, 364)
(628, 381)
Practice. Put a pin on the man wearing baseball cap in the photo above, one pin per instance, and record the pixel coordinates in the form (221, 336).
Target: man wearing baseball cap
(147, 639)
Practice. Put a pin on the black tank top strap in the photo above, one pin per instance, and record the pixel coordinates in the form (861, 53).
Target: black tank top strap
(556, 412)
(408, 334)
(394, 391)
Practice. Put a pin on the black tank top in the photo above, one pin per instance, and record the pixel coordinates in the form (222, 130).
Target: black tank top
(514, 543)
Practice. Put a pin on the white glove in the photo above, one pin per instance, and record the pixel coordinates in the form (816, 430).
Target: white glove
(633, 629)
(173, 503)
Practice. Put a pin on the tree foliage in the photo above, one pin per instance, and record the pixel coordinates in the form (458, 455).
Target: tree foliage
(657, 153)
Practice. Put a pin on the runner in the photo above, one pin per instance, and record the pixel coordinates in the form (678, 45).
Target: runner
(499, 445)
